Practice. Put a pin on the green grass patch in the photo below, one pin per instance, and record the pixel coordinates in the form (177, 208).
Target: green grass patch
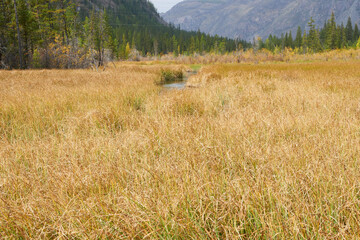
(195, 67)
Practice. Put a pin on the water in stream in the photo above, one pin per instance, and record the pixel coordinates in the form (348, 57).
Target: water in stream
(180, 84)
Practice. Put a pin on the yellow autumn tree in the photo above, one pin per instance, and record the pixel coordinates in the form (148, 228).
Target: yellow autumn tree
(127, 51)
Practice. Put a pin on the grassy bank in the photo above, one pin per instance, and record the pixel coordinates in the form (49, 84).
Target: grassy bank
(267, 151)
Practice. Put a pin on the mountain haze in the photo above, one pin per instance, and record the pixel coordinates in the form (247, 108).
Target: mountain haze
(249, 18)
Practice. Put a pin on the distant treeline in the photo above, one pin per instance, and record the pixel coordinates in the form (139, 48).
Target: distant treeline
(65, 34)
(62, 34)
(330, 36)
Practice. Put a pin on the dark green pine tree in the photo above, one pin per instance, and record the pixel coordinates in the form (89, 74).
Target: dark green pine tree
(298, 38)
(27, 26)
(202, 44)
(343, 41)
(192, 47)
(282, 40)
(285, 40)
(304, 42)
(313, 37)
(356, 33)
(338, 36)
(331, 39)
(289, 41)
(318, 46)
(323, 32)
(349, 31)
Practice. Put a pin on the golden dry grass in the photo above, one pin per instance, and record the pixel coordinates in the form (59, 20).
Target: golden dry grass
(269, 151)
(261, 56)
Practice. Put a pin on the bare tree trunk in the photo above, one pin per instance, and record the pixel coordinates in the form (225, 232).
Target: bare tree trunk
(19, 37)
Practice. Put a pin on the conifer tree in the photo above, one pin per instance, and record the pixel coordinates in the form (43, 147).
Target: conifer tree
(356, 33)
(298, 38)
(344, 40)
(323, 32)
(283, 40)
(175, 45)
(349, 31)
(304, 42)
(192, 47)
(28, 29)
(290, 41)
(331, 40)
(313, 38)
(202, 44)
(338, 37)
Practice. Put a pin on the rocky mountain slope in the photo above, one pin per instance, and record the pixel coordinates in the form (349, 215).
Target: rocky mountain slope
(123, 11)
(249, 18)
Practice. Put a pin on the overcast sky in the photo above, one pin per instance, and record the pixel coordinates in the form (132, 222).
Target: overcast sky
(164, 5)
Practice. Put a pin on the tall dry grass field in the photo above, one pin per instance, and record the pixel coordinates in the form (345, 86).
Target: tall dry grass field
(268, 151)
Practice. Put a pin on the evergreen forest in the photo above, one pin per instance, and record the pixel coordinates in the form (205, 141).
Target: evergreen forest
(67, 34)
(83, 33)
(313, 39)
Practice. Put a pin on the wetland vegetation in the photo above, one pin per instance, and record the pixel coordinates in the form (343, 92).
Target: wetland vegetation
(262, 150)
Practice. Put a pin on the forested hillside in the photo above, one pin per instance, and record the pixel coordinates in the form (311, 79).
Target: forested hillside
(67, 34)
(138, 24)
(331, 36)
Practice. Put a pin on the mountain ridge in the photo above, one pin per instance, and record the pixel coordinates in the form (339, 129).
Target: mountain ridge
(247, 19)
(128, 11)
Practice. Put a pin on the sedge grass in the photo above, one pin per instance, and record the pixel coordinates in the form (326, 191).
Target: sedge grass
(266, 151)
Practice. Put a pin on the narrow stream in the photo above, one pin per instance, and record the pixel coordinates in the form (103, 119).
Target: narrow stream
(179, 84)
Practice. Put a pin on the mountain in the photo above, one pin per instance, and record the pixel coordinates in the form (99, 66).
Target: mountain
(125, 11)
(138, 23)
(249, 18)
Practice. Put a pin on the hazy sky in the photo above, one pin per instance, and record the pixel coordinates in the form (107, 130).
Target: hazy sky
(164, 5)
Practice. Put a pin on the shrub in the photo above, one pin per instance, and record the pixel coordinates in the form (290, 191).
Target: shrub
(171, 76)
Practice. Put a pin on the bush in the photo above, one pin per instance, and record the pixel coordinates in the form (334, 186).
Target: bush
(36, 59)
(171, 76)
